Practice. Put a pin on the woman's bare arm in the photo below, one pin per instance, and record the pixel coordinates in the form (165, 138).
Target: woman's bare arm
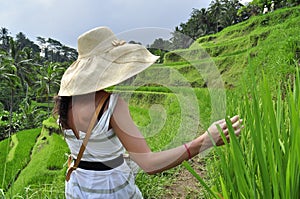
(154, 162)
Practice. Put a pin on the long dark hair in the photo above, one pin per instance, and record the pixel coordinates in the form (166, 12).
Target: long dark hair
(61, 109)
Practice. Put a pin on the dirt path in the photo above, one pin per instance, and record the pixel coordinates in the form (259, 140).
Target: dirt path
(186, 185)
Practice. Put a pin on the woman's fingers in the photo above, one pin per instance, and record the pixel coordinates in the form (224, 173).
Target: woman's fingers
(223, 126)
(234, 119)
(220, 121)
(225, 132)
(237, 124)
(238, 131)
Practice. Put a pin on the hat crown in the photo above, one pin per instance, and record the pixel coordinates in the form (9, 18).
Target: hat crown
(91, 39)
(103, 61)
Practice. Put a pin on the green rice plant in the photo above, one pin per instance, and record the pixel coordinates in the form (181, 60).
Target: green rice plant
(264, 161)
(293, 165)
(4, 150)
(146, 118)
(46, 167)
(149, 118)
(154, 186)
(18, 156)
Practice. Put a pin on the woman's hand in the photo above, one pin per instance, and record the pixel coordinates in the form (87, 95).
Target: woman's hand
(212, 135)
(155, 162)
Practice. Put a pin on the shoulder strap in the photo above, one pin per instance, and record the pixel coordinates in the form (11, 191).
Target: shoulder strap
(87, 135)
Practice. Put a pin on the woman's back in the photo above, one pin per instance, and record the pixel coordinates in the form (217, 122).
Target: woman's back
(81, 109)
(103, 146)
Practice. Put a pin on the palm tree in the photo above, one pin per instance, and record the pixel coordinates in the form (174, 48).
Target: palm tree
(9, 80)
(193, 27)
(24, 62)
(216, 10)
(23, 42)
(69, 54)
(49, 79)
(4, 39)
(180, 39)
(44, 46)
(230, 16)
(203, 17)
(56, 48)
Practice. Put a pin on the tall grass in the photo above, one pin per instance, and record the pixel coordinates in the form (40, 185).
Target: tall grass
(264, 161)
(45, 168)
(15, 159)
(159, 126)
(162, 128)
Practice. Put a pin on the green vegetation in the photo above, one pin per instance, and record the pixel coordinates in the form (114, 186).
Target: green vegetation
(29, 75)
(15, 155)
(46, 168)
(264, 162)
(271, 41)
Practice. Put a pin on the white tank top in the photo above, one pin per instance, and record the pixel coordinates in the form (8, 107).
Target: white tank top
(103, 144)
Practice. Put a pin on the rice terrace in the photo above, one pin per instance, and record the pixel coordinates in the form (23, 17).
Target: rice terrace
(258, 60)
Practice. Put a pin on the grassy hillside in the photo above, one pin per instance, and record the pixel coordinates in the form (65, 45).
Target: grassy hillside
(44, 164)
(35, 159)
(269, 43)
(15, 155)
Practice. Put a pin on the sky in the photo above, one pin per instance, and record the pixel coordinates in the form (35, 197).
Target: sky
(64, 20)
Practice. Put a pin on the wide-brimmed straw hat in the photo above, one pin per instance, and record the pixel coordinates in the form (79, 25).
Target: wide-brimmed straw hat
(103, 61)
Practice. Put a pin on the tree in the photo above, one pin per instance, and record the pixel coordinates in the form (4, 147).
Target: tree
(23, 42)
(179, 39)
(159, 47)
(195, 27)
(4, 39)
(31, 114)
(55, 48)
(293, 2)
(21, 69)
(216, 11)
(44, 47)
(9, 81)
(49, 79)
(203, 17)
(161, 44)
(230, 16)
(134, 42)
(23, 60)
(69, 54)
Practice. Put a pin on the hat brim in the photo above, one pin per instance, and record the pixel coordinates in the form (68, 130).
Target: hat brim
(100, 71)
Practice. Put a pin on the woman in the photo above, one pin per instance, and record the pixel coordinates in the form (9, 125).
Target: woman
(97, 141)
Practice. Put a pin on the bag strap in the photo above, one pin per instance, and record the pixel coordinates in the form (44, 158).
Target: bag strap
(87, 135)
